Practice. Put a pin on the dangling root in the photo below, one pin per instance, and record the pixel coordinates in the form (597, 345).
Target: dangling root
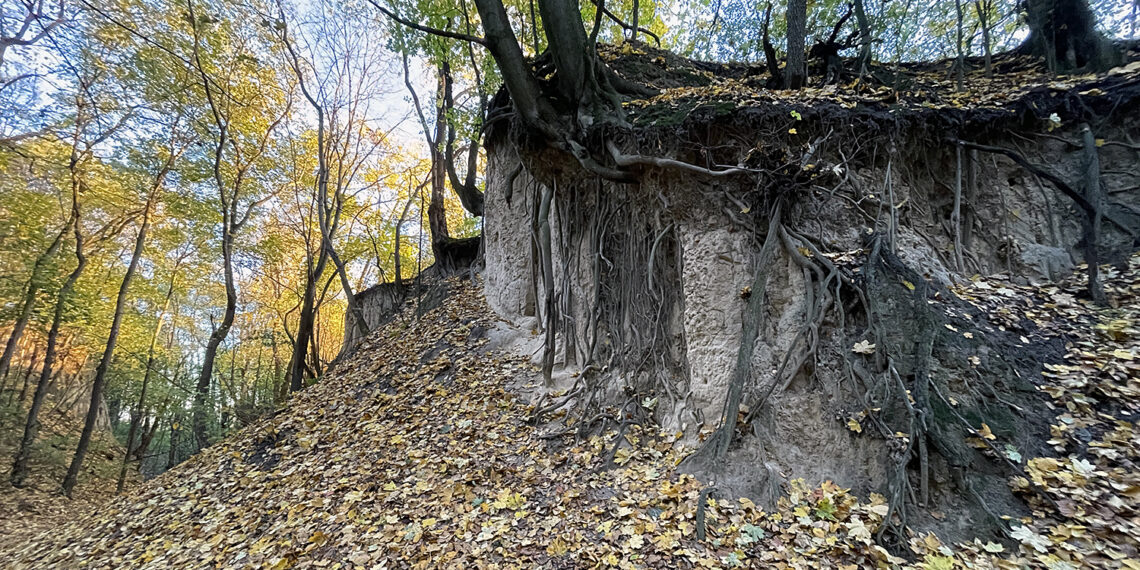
(750, 325)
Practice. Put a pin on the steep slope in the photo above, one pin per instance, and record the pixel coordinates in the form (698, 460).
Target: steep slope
(412, 454)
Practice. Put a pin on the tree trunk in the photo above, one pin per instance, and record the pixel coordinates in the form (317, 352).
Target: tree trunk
(137, 413)
(30, 300)
(864, 36)
(228, 206)
(205, 376)
(513, 66)
(581, 78)
(172, 450)
(960, 61)
(573, 56)
(982, 7)
(145, 438)
(32, 425)
(400, 224)
(770, 59)
(27, 375)
(327, 216)
(305, 322)
(72, 477)
(1091, 226)
(633, 23)
(437, 215)
(469, 195)
(1064, 33)
(350, 297)
(795, 74)
(279, 374)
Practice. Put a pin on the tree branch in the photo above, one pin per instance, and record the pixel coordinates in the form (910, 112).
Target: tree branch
(1042, 172)
(601, 5)
(426, 29)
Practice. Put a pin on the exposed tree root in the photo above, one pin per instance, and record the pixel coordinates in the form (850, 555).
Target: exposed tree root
(616, 301)
(751, 319)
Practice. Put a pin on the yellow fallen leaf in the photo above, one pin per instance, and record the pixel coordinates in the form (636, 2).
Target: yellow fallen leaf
(1047, 464)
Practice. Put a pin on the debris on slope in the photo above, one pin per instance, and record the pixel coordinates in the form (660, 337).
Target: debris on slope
(1089, 513)
(38, 506)
(1020, 86)
(413, 455)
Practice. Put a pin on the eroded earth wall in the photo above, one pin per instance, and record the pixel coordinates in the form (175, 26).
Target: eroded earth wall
(702, 238)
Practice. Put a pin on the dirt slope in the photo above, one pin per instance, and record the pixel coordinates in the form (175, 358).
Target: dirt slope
(413, 455)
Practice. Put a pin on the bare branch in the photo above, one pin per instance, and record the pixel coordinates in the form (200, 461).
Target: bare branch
(426, 29)
(33, 15)
(600, 4)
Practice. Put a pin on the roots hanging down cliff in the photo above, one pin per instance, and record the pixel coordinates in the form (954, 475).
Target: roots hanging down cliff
(780, 284)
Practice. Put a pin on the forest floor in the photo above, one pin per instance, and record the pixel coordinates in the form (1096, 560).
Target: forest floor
(38, 506)
(414, 454)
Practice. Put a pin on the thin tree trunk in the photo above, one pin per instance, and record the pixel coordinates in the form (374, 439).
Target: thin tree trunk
(534, 29)
(172, 451)
(27, 375)
(315, 343)
(72, 477)
(982, 7)
(437, 215)
(1095, 196)
(864, 36)
(278, 372)
(633, 20)
(146, 438)
(350, 297)
(137, 413)
(970, 198)
(30, 300)
(32, 425)
(961, 61)
(305, 322)
(400, 224)
(228, 206)
(205, 376)
(956, 215)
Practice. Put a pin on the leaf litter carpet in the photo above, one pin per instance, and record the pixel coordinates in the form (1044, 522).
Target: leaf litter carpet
(412, 454)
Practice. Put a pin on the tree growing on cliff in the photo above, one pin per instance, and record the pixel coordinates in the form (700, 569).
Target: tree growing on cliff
(569, 90)
(1064, 33)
